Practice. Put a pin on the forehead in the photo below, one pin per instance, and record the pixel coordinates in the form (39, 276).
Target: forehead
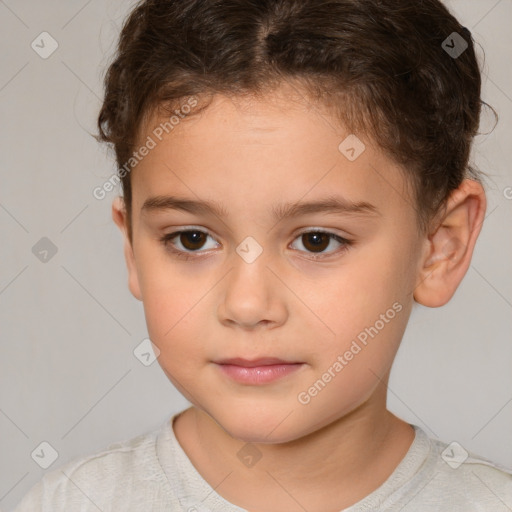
(248, 153)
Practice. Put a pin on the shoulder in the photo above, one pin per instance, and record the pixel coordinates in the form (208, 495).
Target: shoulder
(466, 481)
(115, 475)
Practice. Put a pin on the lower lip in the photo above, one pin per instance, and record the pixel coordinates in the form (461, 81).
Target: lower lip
(258, 374)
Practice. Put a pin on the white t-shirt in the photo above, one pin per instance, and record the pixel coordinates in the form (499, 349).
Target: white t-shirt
(152, 473)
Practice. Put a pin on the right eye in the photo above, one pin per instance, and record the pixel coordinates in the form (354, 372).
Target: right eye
(190, 240)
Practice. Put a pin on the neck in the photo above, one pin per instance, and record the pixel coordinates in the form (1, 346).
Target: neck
(353, 455)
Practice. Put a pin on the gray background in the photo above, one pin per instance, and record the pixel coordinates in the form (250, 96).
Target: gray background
(69, 326)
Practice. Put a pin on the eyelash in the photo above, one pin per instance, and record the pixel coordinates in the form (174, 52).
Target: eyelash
(166, 241)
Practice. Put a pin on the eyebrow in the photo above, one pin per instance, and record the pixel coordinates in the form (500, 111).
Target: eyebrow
(332, 204)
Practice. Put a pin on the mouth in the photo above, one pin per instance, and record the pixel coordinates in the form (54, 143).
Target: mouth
(257, 371)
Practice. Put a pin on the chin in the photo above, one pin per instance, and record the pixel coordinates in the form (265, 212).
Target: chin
(270, 424)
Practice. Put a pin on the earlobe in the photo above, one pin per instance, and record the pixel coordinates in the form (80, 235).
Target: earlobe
(449, 248)
(119, 217)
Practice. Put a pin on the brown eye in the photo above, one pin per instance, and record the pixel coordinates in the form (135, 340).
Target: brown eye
(192, 240)
(187, 241)
(316, 241)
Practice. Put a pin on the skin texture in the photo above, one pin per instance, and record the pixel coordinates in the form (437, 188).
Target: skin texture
(251, 155)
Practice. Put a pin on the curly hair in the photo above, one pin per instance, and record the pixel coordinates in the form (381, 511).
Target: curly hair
(380, 66)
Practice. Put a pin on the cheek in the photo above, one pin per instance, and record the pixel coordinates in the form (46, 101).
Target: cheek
(339, 304)
(167, 298)
(176, 309)
(173, 315)
(363, 309)
(353, 296)
(173, 325)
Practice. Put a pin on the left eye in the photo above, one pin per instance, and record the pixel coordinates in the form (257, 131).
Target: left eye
(192, 240)
(318, 241)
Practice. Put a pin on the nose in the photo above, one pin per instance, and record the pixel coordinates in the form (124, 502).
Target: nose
(253, 295)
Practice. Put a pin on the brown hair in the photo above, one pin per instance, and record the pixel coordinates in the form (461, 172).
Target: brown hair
(379, 65)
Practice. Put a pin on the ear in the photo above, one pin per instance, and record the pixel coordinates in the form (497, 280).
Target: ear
(119, 216)
(449, 248)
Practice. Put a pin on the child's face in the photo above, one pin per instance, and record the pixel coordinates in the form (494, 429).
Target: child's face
(251, 158)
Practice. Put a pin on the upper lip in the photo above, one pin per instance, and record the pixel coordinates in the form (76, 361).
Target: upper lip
(250, 363)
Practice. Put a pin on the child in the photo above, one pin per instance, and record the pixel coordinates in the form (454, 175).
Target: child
(289, 192)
